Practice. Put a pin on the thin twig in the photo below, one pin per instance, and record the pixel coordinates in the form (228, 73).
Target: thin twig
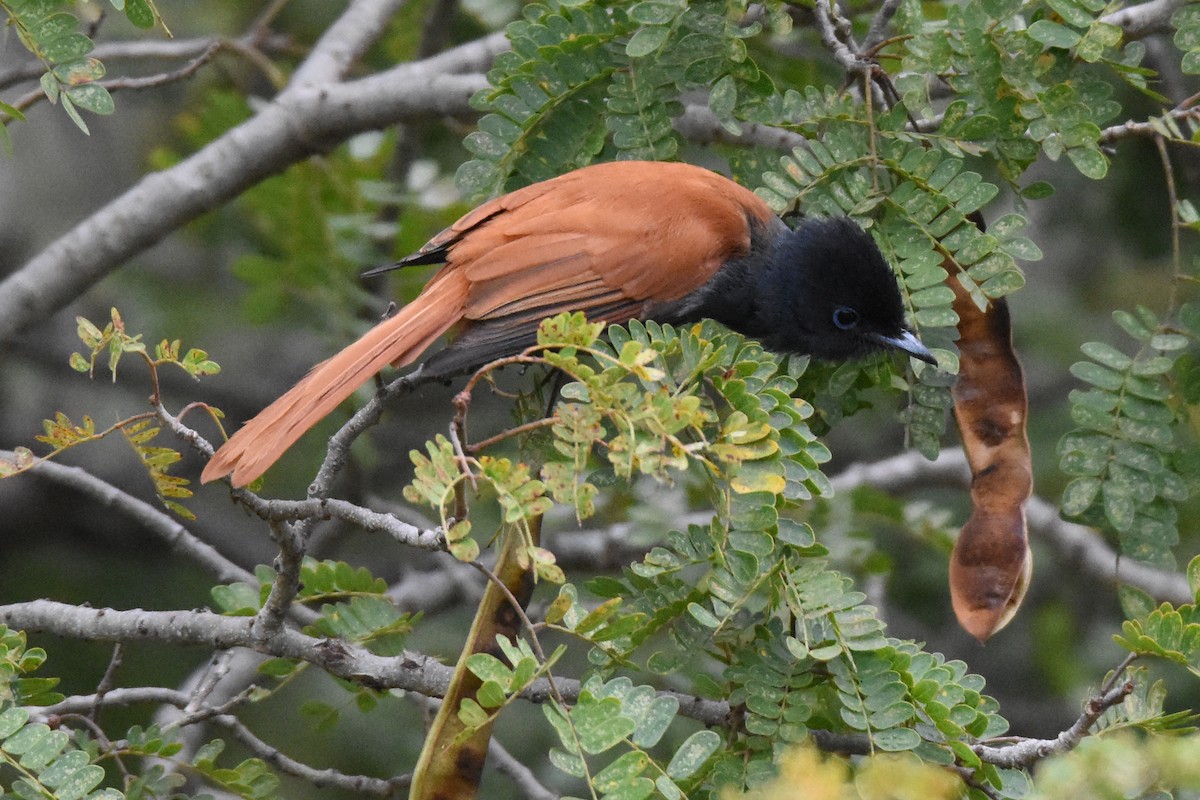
(1164, 156)
(526, 782)
(148, 517)
(537, 424)
(108, 681)
(530, 630)
(154, 81)
(327, 778)
(1132, 128)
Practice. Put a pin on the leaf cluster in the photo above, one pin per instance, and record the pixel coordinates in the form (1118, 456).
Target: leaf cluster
(64, 762)
(1124, 455)
(62, 434)
(1168, 632)
(617, 716)
(50, 32)
(353, 605)
(501, 683)
(584, 80)
(704, 401)
(1019, 74)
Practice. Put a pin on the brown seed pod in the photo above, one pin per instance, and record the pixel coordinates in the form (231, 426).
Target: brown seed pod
(991, 565)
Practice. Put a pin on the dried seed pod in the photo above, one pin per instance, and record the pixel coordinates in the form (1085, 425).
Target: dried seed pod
(991, 565)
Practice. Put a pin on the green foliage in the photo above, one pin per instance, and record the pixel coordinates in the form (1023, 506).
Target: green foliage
(156, 461)
(50, 32)
(115, 342)
(1020, 77)
(558, 56)
(667, 403)
(62, 434)
(617, 716)
(1168, 632)
(502, 683)
(1144, 709)
(17, 662)
(251, 779)
(584, 80)
(1186, 21)
(353, 603)
(1122, 455)
(65, 762)
(45, 760)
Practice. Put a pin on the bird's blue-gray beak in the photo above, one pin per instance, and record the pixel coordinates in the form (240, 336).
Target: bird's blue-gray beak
(907, 342)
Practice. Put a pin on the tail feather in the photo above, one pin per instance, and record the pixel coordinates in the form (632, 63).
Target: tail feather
(397, 341)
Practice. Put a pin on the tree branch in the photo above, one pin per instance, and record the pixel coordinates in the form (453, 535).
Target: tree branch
(699, 124)
(171, 531)
(345, 41)
(1076, 543)
(170, 49)
(327, 778)
(1133, 128)
(521, 775)
(320, 778)
(411, 671)
(1030, 751)
(301, 121)
(1144, 19)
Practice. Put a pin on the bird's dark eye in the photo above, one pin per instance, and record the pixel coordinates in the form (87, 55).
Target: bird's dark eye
(845, 318)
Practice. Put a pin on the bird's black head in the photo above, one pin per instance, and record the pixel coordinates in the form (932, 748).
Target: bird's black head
(826, 290)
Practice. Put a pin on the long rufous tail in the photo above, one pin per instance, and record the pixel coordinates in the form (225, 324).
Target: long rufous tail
(398, 340)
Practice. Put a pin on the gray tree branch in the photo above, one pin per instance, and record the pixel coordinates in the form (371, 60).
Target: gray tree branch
(1077, 544)
(320, 778)
(303, 120)
(150, 518)
(1143, 19)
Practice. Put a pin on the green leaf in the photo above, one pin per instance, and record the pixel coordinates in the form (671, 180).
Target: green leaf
(92, 97)
(1053, 34)
(67, 48)
(621, 771)
(896, 739)
(703, 615)
(647, 40)
(1107, 355)
(655, 13)
(692, 754)
(1118, 508)
(1038, 190)
(1097, 375)
(723, 98)
(78, 784)
(12, 719)
(140, 13)
(73, 114)
(1090, 162)
(654, 720)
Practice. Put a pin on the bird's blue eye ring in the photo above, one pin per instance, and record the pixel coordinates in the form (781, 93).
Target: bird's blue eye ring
(845, 318)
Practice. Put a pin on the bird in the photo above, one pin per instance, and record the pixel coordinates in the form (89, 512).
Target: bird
(663, 241)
